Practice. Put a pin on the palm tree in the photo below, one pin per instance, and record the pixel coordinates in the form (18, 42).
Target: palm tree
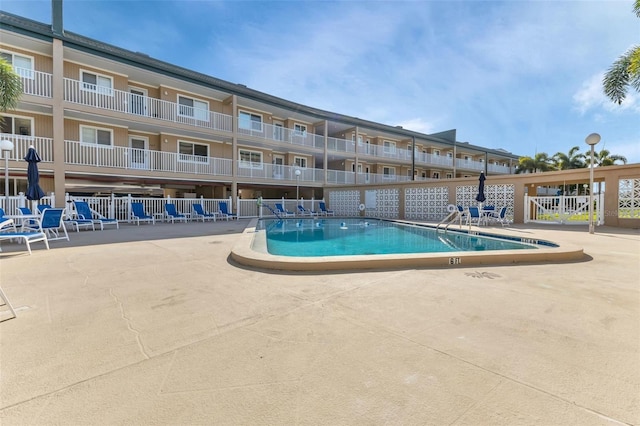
(572, 160)
(10, 86)
(604, 158)
(624, 72)
(540, 163)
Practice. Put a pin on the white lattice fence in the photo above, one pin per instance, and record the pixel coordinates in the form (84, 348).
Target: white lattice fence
(496, 195)
(344, 203)
(426, 203)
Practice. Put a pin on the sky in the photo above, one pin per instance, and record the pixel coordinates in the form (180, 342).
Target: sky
(524, 76)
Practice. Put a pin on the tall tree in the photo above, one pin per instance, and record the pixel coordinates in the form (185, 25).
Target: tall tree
(540, 163)
(10, 86)
(624, 72)
(604, 158)
(571, 160)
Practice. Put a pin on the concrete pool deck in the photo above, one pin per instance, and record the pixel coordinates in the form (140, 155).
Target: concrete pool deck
(157, 325)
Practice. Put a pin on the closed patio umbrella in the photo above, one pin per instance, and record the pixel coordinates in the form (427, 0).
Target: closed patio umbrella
(480, 198)
(34, 192)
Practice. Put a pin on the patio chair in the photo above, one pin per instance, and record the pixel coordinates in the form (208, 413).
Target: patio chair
(499, 216)
(139, 215)
(200, 213)
(225, 213)
(474, 216)
(27, 223)
(84, 212)
(282, 211)
(306, 212)
(2, 213)
(8, 232)
(52, 224)
(172, 214)
(324, 211)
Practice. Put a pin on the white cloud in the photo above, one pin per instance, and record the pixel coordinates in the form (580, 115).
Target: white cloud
(591, 96)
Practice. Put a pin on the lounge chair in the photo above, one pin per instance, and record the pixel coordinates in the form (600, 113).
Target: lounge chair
(52, 224)
(224, 212)
(282, 211)
(306, 212)
(2, 213)
(27, 223)
(139, 215)
(8, 232)
(84, 212)
(324, 211)
(200, 213)
(172, 214)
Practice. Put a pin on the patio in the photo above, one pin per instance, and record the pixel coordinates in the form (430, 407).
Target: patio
(156, 325)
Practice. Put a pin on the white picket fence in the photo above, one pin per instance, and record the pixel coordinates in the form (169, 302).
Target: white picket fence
(563, 209)
(120, 207)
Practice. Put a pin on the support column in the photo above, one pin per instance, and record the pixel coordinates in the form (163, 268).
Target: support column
(234, 154)
(58, 122)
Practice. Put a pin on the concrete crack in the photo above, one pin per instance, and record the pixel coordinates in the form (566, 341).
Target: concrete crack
(128, 321)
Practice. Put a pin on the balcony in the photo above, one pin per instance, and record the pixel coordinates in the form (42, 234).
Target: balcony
(271, 133)
(91, 95)
(461, 163)
(21, 144)
(118, 157)
(35, 83)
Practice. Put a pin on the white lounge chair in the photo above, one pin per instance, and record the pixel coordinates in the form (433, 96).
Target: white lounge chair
(8, 232)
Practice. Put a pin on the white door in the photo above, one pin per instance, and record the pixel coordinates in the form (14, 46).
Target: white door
(278, 131)
(139, 152)
(138, 101)
(278, 166)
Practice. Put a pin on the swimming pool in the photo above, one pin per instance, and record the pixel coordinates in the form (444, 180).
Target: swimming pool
(251, 248)
(347, 237)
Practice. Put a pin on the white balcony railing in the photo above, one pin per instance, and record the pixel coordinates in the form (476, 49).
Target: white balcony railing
(469, 164)
(142, 159)
(120, 101)
(280, 134)
(279, 172)
(35, 83)
(21, 144)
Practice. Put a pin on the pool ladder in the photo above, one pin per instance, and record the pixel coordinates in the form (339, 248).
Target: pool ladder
(447, 221)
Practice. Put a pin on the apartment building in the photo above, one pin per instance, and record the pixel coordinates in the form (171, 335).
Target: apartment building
(108, 120)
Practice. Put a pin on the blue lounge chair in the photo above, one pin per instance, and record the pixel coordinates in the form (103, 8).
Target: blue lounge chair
(172, 214)
(84, 212)
(200, 213)
(139, 215)
(8, 232)
(2, 213)
(305, 212)
(27, 223)
(282, 211)
(225, 213)
(324, 211)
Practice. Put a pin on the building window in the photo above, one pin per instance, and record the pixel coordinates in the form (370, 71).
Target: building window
(97, 83)
(436, 175)
(250, 159)
(436, 152)
(16, 125)
(250, 121)
(388, 147)
(22, 65)
(96, 136)
(449, 154)
(193, 152)
(193, 108)
(467, 159)
(449, 175)
(300, 162)
(389, 172)
(300, 130)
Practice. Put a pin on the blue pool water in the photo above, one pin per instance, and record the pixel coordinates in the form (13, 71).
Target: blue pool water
(343, 237)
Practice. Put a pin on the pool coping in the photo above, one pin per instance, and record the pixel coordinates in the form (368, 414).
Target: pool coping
(245, 254)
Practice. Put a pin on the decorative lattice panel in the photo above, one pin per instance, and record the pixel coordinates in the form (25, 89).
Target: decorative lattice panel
(426, 203)
(629, 198)
(496, 195)
(344, 203)
(387, 204)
